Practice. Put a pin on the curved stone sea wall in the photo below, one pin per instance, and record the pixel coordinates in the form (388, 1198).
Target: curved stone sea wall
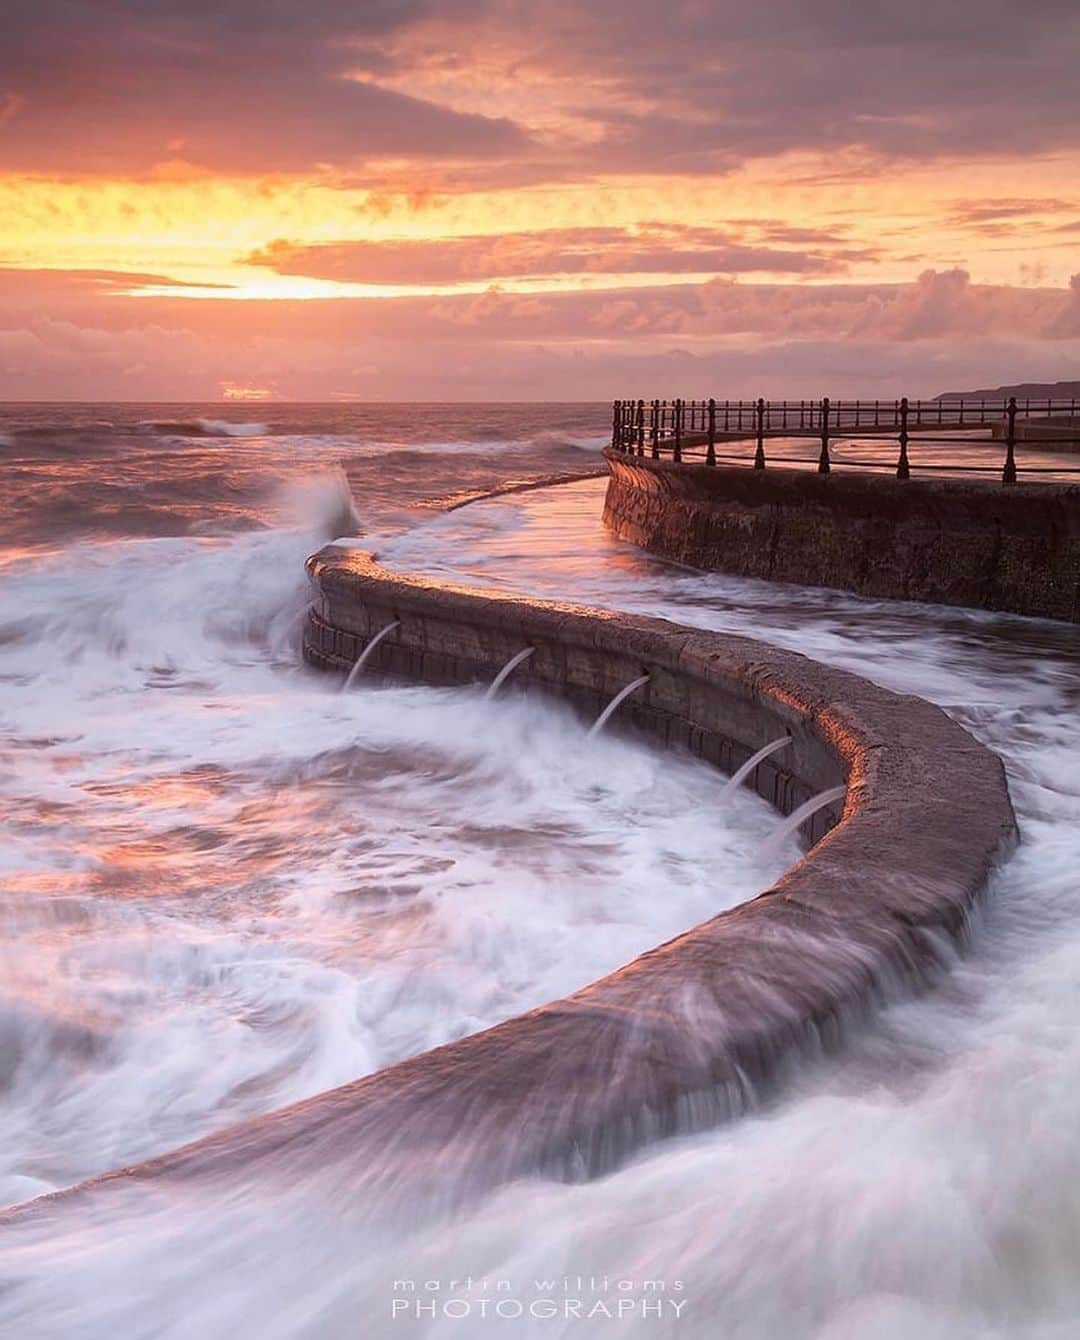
(953, 542)
(887, 884)
(699, 1028)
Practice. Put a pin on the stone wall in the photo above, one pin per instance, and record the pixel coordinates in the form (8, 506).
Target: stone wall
(1053, 433)
(957, 542)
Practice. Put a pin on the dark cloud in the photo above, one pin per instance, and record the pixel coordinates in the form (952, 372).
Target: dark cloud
(923, 79)
(123, 86)
(262, 85)
(651, 249)
(700, 87)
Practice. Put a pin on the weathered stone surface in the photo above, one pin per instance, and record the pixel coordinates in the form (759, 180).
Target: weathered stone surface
(696, 1029)
(953, 542)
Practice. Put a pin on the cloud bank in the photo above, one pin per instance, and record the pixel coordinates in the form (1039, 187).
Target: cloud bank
(714, 338)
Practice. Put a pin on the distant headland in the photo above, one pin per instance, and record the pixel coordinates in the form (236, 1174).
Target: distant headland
(1022, 391)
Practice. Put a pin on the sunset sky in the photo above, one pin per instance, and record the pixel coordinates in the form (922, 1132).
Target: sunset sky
(494, 199)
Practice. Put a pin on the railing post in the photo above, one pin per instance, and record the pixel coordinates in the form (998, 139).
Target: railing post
(677, 448)
(641, 427)
(759, 454)
(960, 419)
(710, 453)
(615, 425)
(654, 429)
(1008, 475)
(903, 469)
(824, 465)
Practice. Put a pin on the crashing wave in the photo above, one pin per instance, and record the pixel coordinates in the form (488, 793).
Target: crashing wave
(206, 428)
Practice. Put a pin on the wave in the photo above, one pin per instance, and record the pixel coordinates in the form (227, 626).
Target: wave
(555, 438)
(205, 428)
(323, 503)
(548, 439)
(72, 429)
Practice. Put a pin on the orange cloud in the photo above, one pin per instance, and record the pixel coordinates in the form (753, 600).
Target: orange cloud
(652, 248)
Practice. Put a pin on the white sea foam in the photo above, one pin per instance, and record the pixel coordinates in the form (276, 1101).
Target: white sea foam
(592, 442)
(229, 428)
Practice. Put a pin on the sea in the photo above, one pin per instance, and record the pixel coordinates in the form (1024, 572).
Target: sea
(227, 886)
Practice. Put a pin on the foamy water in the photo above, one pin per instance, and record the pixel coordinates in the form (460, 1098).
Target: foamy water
(229, 886)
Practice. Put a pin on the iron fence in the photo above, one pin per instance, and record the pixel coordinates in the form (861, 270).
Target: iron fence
(694, 429)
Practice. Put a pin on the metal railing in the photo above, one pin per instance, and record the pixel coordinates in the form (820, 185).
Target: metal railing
(694, 429)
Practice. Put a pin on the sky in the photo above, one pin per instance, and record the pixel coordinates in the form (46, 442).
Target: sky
(536, 199)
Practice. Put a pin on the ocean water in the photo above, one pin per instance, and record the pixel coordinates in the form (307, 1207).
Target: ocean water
(227, 886)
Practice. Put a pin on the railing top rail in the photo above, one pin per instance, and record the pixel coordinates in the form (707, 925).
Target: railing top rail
(1033, 403)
